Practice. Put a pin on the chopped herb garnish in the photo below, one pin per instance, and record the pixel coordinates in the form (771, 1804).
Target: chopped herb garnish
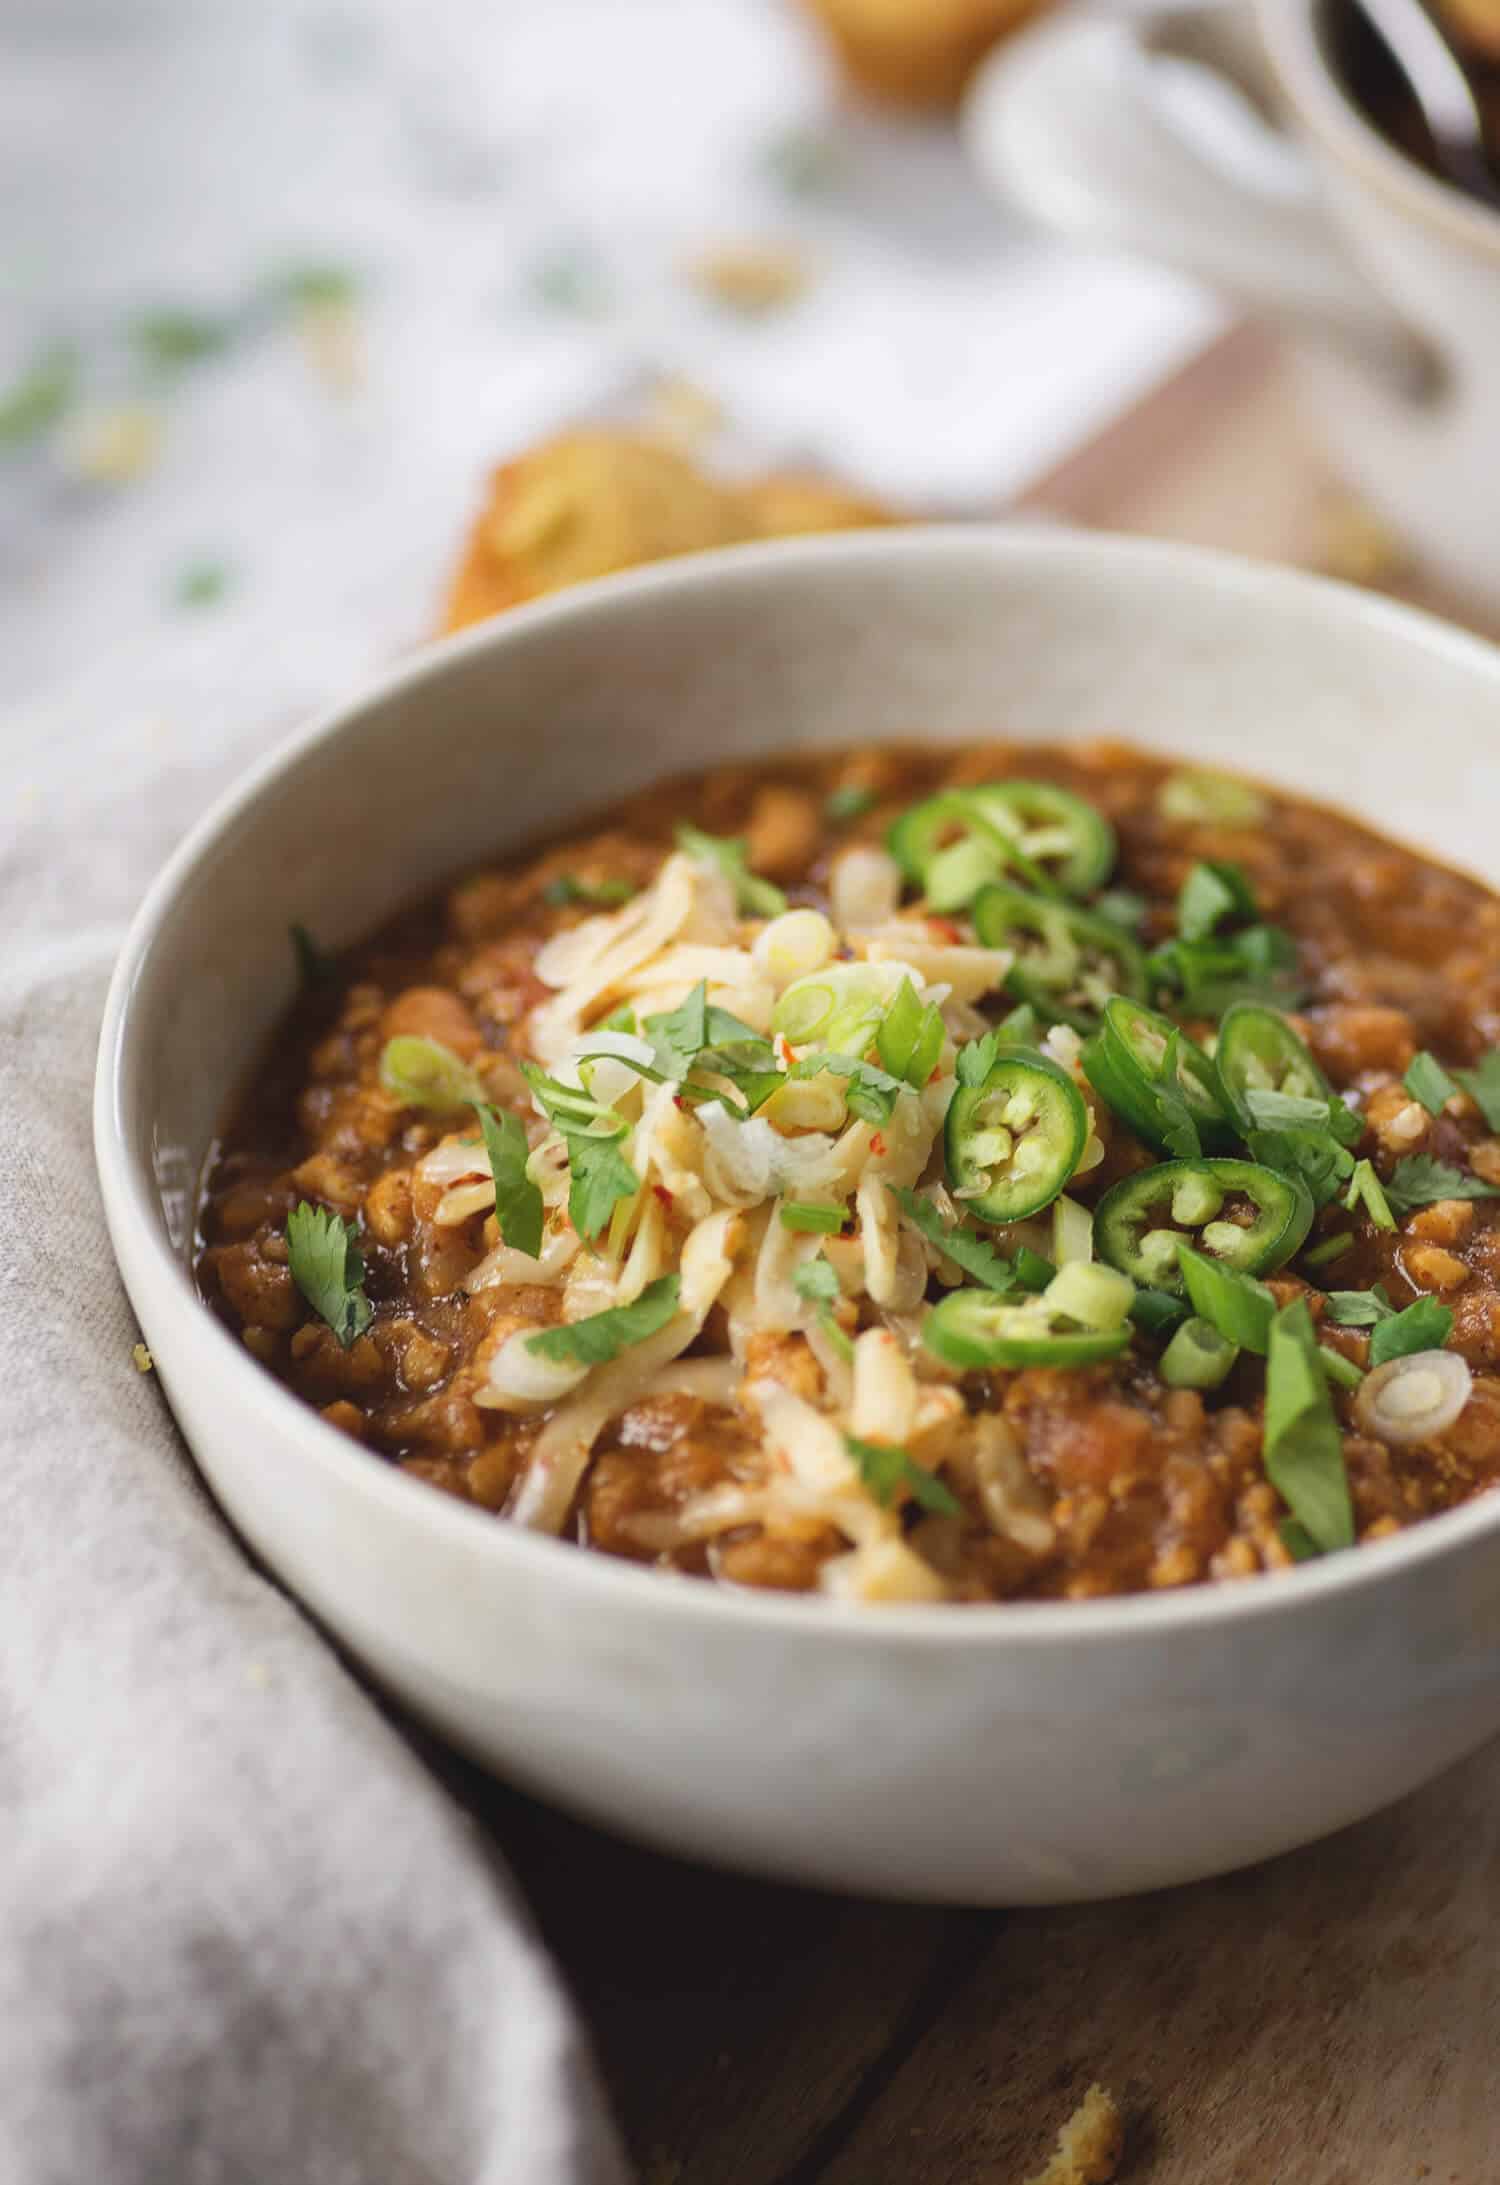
(518, 1202)
(910, 1038)
(315, 967)
(1298, 1541)
(1278, 1110)
(811, 1220)
(817, 1282)
(326, 1265)
(201, 583)
(1358, 1308)
(1158, 1312)
(869, 1093)
(571, 280)
(1483, 1086)
(40, 398)
(317, 285)
(1331, 1248)
(1425, 1325)
(1304, 1445)
(801, 161)
(166, 340)
(842, 805)
(1237, 1305)
(1021, 1027)
(1174, 1118)
(1419, 1180)
(599, 1177)
(1313, 1154)
(1342, 1371)
(964, 1246)
(423, 1073)
(566, 888)
(602, 1336)
(1210, 894)
(757, 898)
(1259, 964)
(1122, 907)
(618, 1020)
(886, 1470)
(572, 1107)
(1366, 1190)
(1033, 1272)
(976, 1058)
(1428, 1082)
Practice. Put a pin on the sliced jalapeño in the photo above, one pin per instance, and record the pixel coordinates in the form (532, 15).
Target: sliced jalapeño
(1249, 1218)
(1127, 1063)
(951, 844)
(1014, 1141)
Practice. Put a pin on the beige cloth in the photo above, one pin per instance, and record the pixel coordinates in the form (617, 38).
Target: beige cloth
(244, 1936)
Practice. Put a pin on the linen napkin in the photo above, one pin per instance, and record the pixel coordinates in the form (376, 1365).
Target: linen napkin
(244, 1936)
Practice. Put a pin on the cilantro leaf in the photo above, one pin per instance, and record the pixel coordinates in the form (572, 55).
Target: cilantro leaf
(571, 1107)
(1419, 1180)
(869, 1093)
(1366, 1190)
(885, 1470)
(40, 398)
(1210, 894)
(976, 1059)
(602, 1336)
(1483, 1086)
(1425, 1325)
(423, 1073)
(756, 897)
(818, 1282)
(1275, 1110)
(1314, 1155)
(518, 1202)
(910, 1037)
(1359, 1308)
(1304, 1444)
(1428, 1082)
(599, 1176)
(1174, 1118)
(1259, 964)
(327, 1267)
(168, 338)
(964, 1246)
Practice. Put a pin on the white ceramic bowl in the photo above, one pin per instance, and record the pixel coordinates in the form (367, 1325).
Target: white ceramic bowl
(983, 1755)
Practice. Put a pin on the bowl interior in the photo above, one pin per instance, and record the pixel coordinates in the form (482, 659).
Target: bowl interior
(488, 740)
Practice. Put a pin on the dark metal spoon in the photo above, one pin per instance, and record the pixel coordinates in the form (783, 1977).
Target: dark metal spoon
(1441, 89)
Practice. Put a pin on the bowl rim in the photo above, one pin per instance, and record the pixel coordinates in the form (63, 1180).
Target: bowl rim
(148, 1262)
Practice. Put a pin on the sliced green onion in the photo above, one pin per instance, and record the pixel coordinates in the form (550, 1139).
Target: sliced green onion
(1331, 1248)
(1241, 1308)
(1201, 797)
(1365, 1189)
(1342, 1371)
(423, 1073)
(813, 1220)
(1428, 1082)
(1072, 1232)
(1097, 1297)
(1198, 1356)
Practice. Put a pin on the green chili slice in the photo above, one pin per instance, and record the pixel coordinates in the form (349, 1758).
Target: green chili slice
(1248, 1218)
(1068, 962)
(1147, 1071)
(980, 1328)
(951, 844)
(1263, 1066)
(1013, 1140)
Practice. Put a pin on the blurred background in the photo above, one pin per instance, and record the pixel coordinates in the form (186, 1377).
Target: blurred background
(282, 280)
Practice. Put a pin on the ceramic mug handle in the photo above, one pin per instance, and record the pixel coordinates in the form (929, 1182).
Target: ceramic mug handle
(1071, 124)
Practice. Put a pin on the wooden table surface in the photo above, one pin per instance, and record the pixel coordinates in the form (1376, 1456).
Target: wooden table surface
(1332, 2018)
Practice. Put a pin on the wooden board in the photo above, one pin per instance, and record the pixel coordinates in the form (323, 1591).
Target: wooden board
(1332, 2018)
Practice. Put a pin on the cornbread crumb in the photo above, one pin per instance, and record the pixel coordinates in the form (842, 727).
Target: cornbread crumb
(1088, 2145)
(141, 1358)
(752, 278)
